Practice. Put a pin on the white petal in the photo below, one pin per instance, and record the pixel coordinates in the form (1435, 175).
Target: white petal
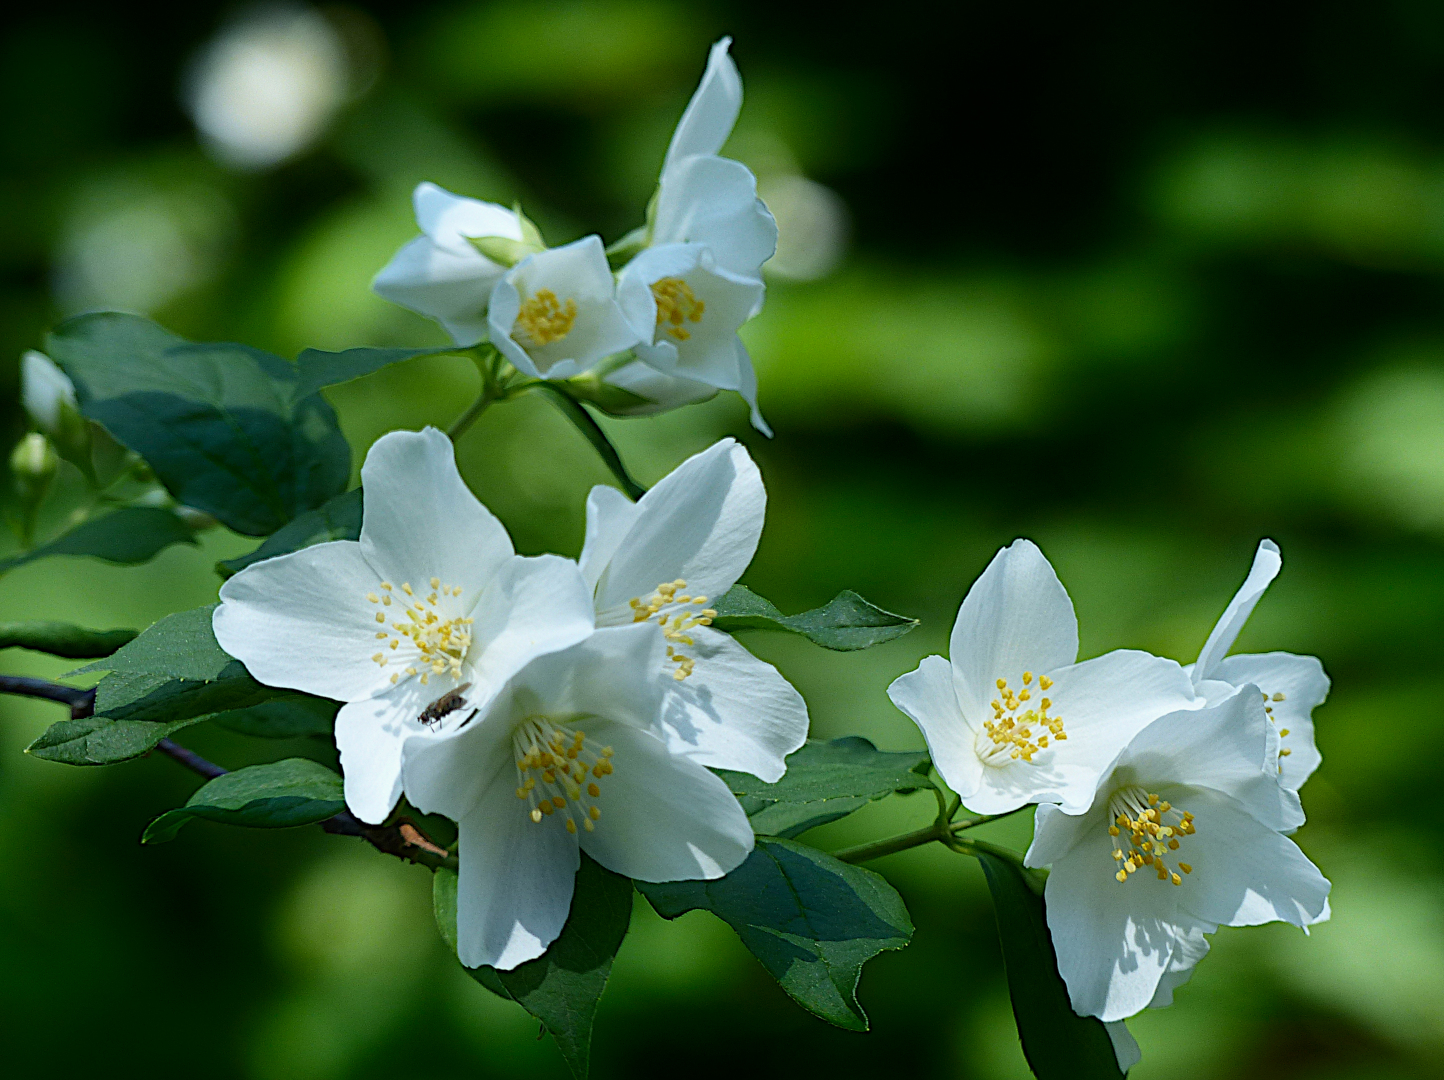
(1114, 940)
(1224, 747)
(609, 515)
(734, 711)
(701, 523)
(1244, 873)
(713, 201)
(450, 219)
(450, 287)
(1125, 1046)
(1055, 833)
(1188, 951)
(663, 817)
(370, 735)
(611, 674)
(747, 387)
(660, 392)
(927, 695)
(420, 520)
(1304, 686)
(713, 110)
(531, 607)
(1266, 565)
(302, 621)
(43, 389)
(1017, 617)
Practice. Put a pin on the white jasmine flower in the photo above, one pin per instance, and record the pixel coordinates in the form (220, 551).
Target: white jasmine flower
(687, 311)
(415, 626)
(1012, 719)
(658, 392)
(555, 313)
(568, 758)
(441, 274)
(46, 392)
(1292, 686)
(1192, 806)
(662, 560)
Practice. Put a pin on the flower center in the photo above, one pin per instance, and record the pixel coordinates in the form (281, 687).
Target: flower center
(543, 319)
(1283, 731)
(1152, 826)
(1018, 730)
(676, 304)
(676, 613)
(557, 770)
(438, 645)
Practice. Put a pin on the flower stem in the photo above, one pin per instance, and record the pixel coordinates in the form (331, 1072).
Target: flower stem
(588, 426)
(489, 362)
(878, 848)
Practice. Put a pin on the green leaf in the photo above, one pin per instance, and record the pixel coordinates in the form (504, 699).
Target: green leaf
(811, 920)
(316, 369)
(339, 519)
(826, 781)
(127, 536)
(280, 795)
(1058, 1043)
(98, 740)
(290, 716)
(562, 986)
(62, 639)
(225, 427)
(846, 623)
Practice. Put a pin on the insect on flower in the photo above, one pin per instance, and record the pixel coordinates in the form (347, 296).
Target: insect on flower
(443, 706)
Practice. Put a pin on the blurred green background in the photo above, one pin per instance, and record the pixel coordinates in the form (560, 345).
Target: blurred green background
(1144, 285)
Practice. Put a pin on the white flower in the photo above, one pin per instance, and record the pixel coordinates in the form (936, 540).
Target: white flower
(46, 392)
(431, 600)
(568, 758)
(441, 274)
(657, 392)
(706, 199)
(663, 559)
(1292, 686)
(1193, 807)
(555, 313)
(687, 311)
(1012, 719)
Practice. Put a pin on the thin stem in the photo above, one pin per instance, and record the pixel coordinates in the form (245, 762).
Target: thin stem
(588, 426)
(488, 362)
(190, 759)
(878, 848)
(81, 702)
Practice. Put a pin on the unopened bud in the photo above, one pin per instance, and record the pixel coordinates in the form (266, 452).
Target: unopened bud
(49, 399)
(32, 464)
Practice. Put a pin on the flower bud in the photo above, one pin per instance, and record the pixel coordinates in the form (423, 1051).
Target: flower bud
(635, 389)
(33, 463)
(49, 398)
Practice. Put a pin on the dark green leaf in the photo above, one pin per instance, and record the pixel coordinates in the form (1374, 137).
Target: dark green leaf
(289, 716)
(339, 519)
(846, 623)
(62, 639)
(562, 986)
(172, 675)
(826, 781)
(811, 920)
(223, 426)
(280, 795)
(316, 369)
(127, 536)
(1058, 1043)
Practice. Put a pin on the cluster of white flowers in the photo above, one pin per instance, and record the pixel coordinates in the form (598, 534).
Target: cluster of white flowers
(1166, 794)
(547, 706)
(663, 328)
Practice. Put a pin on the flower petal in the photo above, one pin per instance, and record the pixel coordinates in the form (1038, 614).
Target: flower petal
(1244, 873)
(713, 201)
(747, 387)
(701, 524)
(302, 621)
(663, 817)
(451, 219)
(1125, 1046)
(1266, 565)
(659, 392)
(1017, 617)
(441, 284)
(420, 520)
(713, 110)
(1189, 950)
(734, 711)
(1304, 686)
(609, 515)
(370, 735)
(929, 698)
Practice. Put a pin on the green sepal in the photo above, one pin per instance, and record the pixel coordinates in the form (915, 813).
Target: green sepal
(338, 519)
(846, 623)
(628, 247)
(127, 537)
(62, 639)
(503, 250)
(1058, 1043)
(826, 781)
(561, 987)
(280, 795)
(811, 920)
(613, 400)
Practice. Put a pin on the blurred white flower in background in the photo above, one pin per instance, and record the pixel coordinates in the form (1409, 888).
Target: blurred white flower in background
(813, 226)
(267, 85)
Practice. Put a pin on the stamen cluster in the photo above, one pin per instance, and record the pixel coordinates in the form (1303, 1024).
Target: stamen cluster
(1153, 831)
(441, 644)
(676, 304)
(1023, 734)
(674, 623)
(543, 319)
(553, 762)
